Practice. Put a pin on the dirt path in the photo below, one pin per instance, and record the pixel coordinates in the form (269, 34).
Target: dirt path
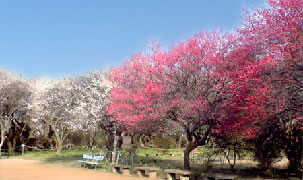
(20, 169)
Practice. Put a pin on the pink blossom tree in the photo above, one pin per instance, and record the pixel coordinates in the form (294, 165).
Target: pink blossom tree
(181, 85)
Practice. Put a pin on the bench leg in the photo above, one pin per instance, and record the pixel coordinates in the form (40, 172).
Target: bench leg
(115, 170)
(140, 173)
(126, 172)
(152, 175)
(83, 165)
(184, 177)
(171, 176)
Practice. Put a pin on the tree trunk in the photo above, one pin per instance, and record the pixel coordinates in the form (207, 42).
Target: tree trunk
(91, 140)
(141, 143)
(92, 136)
(110, 148)
(116, 138)
(59, 145)
(190, 146)
(179, 141)
(11, 146)
(192, 143)
(2, 136)
(294, 151)
(59, 142)
(294, 160)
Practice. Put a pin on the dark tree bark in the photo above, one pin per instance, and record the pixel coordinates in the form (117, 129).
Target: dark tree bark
(193, 142)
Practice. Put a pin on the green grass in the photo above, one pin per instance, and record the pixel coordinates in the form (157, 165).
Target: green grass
(44, 154)
(49, 156)
(66, 157)
(70, 154)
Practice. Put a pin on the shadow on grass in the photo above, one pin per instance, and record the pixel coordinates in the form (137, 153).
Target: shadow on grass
(246, 170)
(71, 160)
(243, 170)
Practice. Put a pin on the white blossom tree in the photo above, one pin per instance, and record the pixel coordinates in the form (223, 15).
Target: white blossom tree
(15, 96)
(54, 104)
(90, 97)
(72, 103)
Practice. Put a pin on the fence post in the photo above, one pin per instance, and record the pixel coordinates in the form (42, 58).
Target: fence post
(118, 156)
(23, 145)
(132, 156)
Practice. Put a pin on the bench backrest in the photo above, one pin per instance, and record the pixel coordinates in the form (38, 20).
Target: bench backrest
(88, 156)
(98, 158)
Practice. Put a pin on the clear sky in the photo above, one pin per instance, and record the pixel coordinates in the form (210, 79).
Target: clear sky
(60, 37)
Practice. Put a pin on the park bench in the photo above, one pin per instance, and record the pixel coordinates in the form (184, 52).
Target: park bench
(97, 160)
(86, 158)
(173, 174)
(218, 176)
(147, 171)
(125, 170)
(91, 160)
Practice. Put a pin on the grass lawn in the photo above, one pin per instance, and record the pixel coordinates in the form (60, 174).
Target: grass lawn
(161, 158)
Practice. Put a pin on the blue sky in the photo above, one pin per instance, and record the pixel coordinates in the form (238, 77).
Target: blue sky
(61, 37)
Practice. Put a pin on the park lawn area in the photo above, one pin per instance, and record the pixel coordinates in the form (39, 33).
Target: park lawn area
(70, 157)
(154, 157)
(68, 154)
(67, 157)
(163, 160)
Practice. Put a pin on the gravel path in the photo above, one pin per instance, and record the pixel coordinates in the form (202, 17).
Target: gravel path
(20, 169)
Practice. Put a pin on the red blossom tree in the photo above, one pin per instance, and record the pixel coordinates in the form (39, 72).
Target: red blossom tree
(135, 97)
(239, 83)
(267, 76)
(282, 28)
(182, 85)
